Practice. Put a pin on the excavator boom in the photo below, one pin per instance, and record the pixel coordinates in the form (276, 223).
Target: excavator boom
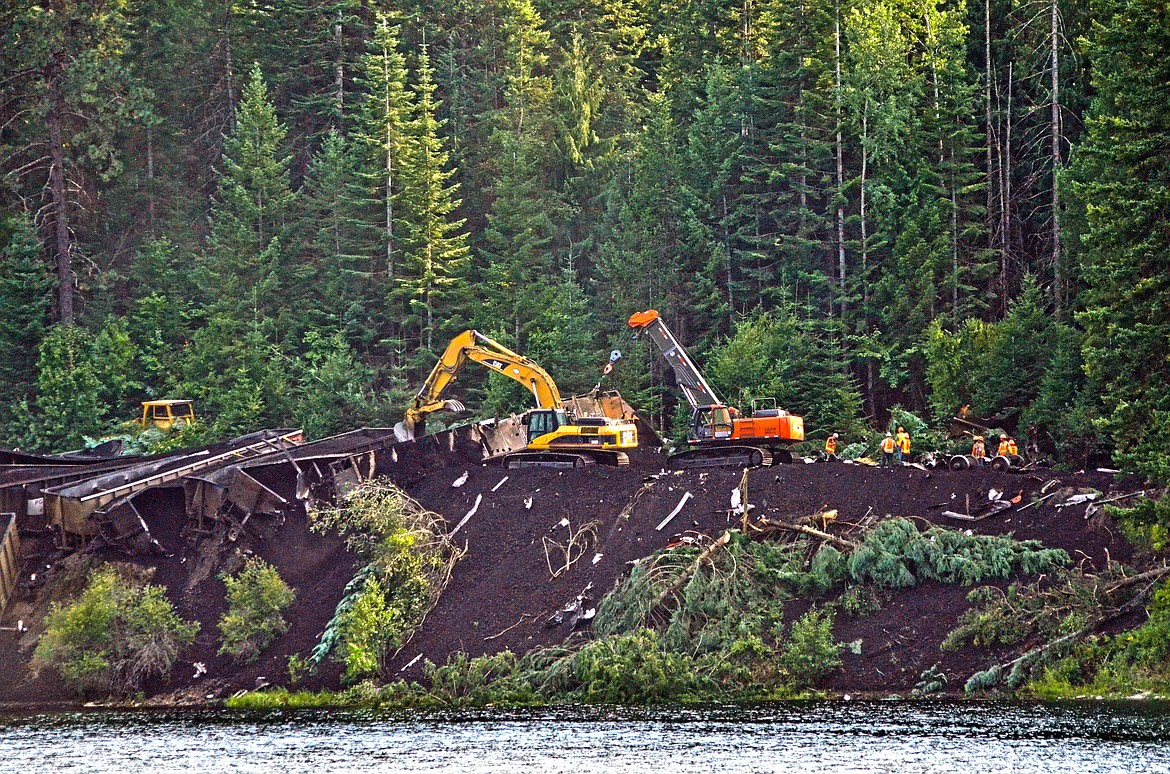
(473, 345)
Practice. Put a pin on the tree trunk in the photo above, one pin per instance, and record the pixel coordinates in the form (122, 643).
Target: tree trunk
(62, 246)
(1005, 169)
(339, 71)
(840, 172)
(989, 133)
(1057, 269)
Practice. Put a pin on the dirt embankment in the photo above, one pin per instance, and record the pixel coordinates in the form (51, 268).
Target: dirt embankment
(537, 538)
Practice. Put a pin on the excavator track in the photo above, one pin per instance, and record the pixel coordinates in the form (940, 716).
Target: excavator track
(565, 460)
(721, 457)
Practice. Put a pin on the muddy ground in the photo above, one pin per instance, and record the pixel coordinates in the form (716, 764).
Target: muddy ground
(504, 590)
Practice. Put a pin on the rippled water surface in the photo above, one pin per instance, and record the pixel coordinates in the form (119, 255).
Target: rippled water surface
(899, 737)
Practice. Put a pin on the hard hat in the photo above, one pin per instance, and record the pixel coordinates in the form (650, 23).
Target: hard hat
(901, 429)
(836, 436)
(887, 435)
(1002, 437)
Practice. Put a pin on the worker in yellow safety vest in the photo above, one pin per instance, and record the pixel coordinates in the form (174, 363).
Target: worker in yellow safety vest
(888, 451)
(1012, 449)
(831, 446)
(902, 442)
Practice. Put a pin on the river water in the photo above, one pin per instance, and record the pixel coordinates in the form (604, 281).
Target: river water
(900, 737)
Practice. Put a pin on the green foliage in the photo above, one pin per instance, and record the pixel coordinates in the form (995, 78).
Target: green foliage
(68, 404)
(257, 597)
(1146, 523)
(410, 563)
(811, 652)
(117, 634)
(26, 295)
(368, 627)
(793, 360)
(334, 391)
(633, 669)
(1123, 243)
(1015, 365)
(894, 554)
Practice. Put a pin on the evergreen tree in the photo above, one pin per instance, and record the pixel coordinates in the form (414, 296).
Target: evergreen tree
(26, 296)
(68, 406)
(246, 267)
(380, 141)
(1124, 243)
(67, 95)
(434, 284)
(333, 200)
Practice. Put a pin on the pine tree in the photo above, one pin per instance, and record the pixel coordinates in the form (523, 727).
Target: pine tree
(334, 200)
(381, 144)
(1124, 244)
(247, 267)
(67, 96)
(26, 296)
(433, 283)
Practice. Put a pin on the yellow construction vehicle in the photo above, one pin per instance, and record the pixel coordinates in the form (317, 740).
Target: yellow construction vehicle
(554, 435)
(165, 414)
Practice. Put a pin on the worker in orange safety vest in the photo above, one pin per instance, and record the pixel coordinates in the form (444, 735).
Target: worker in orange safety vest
(902, 442)
(1002, 451)
(831, 446)
(1012, 449)
(979, 449)
(888, 451)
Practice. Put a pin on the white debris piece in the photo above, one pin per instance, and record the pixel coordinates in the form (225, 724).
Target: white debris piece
(497, 486)
(474, 508)
(563, 522)
(993, 494)
(736, 501)
(527, 503)
(1078, 499)
(460, 481)
(597, 558)
(686, 496)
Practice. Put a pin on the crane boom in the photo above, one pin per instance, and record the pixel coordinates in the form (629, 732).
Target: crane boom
(690, 379)
(718, 434)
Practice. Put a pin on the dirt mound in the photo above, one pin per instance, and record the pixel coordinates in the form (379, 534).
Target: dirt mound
(504, 591)
(538, 538)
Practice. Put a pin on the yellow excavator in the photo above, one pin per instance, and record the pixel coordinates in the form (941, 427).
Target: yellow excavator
(555, 437)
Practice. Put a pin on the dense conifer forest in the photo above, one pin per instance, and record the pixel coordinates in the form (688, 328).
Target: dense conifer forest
(285, 210)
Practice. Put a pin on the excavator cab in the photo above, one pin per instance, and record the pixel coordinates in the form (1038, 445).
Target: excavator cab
(545, 421)
(711, 423)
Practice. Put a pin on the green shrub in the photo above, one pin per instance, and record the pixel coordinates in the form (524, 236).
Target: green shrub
(894, 554)
(1147, 523)
(811, 652)
(634, 669)
(410, 561)
(114, 636)
(366, 629)
(257, 596)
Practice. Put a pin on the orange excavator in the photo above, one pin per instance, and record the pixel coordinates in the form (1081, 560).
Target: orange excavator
(718, 435)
